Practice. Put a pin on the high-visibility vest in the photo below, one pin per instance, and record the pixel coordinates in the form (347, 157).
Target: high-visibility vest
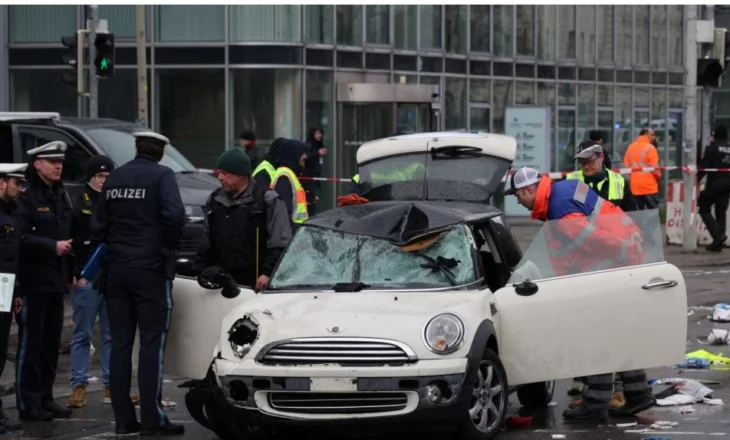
(300, 214)
(265, 165)
(616, 184)
(356, 178)
(641, 153)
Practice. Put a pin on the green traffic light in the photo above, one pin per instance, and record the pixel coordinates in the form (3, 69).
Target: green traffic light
(104, 64)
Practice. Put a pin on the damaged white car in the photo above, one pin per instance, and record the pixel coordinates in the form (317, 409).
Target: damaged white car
(417, 306)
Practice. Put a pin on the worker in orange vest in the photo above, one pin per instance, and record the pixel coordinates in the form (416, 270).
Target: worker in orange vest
(644, 185)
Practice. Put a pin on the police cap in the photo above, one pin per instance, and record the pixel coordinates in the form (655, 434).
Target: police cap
(15, 170)
(51, 151)
(150, 137)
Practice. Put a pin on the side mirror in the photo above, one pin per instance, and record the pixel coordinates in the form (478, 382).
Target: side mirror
(214, 278)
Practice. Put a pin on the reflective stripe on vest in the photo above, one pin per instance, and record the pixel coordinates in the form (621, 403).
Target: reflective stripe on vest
(265, 166)
(642, 159)
(300, 213)
(356, 178)
(615, 180)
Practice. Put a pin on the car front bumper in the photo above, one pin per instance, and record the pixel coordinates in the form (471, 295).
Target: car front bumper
(425, 391)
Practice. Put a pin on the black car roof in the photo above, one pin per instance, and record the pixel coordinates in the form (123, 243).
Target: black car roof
(400, 221)
(86, 123)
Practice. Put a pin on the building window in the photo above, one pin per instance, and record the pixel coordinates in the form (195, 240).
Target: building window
(605, 34)
(320, 114)
(118, 95)
(586, 44)
(676, 35)
(349, 25)
(524, 93)
(41, 90)
(525, 30)
(122, 19)
(641, 39)
(191, 103)
(430, 27)
(624, 34)
(479, 92)
(265, 23)
(586, 111)
(566, 32)
(501, 99)
(455, 103)
(503, 31)
(268, 102)
(405, 26)
(378, 24)
(190, 23)
(547, 26)
(456, 29)
(479, 28)
(659, 36)
(320, 24)
(41, 23)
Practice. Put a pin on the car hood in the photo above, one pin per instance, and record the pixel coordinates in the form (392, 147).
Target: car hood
(195, 187)
(373, 314)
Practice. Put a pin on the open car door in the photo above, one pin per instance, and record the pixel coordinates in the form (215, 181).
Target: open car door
(195, 327)
(580, 324)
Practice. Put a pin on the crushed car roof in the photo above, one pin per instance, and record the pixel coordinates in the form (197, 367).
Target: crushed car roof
(400, 222)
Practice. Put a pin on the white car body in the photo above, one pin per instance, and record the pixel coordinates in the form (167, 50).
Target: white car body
(578, 325)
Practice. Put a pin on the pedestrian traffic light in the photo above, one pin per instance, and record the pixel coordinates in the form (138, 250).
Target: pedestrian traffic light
(709, 71)
(104, 60)
(70, 58)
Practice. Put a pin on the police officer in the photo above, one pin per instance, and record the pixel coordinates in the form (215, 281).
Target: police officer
(43, 217)
(140, 217)
(246, 228)
(11, 176)
(717, 189)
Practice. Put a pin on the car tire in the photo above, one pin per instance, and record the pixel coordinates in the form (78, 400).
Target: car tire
(536, 395)
(486, 410)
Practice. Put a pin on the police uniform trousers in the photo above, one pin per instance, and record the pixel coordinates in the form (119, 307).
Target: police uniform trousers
(6, 320)
(720, 197)
(138, 297)
(40, 322)
(599, 389)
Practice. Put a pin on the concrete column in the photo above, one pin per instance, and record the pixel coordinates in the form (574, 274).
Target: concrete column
(4, 64)
(690, 126)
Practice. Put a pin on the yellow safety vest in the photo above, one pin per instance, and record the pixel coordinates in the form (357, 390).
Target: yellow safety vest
(356, 178)
(265, 166)
(615, 180)
(300, 214)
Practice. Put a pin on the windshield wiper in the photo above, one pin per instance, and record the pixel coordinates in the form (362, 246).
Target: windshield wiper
(443, 264)
(350, 287)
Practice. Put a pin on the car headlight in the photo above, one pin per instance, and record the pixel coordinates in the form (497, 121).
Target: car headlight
(194, 214)
(444, 333)
(242, 335)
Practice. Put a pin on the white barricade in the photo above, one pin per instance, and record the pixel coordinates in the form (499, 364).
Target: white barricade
(674, 222)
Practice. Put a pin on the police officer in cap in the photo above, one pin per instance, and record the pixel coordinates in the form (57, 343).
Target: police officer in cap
(43, 216)
(140, 217)
(11, 176)
(717, 189)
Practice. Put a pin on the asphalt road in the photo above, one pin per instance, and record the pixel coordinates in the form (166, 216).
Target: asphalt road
(706, 276)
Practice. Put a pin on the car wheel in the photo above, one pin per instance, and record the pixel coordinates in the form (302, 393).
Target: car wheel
(536, 395)
(487, 409)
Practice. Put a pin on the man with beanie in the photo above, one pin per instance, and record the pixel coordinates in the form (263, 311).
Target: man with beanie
(88, 302)
(246, 226)
(247, 142)
(139, 218)
(717, 189)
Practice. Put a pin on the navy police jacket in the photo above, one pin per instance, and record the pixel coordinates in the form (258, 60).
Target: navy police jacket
(9, 240)
(43, 216)
(139, 215)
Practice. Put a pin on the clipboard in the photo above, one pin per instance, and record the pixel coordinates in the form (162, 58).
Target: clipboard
(7, 288)
(94, 264)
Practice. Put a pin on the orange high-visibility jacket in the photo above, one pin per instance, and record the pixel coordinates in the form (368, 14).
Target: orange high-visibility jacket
(642, 153)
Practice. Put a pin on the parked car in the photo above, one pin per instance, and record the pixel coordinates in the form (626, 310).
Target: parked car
(416, 307)
(84, 137)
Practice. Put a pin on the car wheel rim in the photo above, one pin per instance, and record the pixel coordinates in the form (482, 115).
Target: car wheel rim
(487, 398)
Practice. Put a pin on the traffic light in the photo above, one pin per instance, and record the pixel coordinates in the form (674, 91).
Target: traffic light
(70, 57)
(104, 60)
(709, 71)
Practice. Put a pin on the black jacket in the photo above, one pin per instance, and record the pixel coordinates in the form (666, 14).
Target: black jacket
(716, 155)
(140, 216)
(43, 216)
(256, 154)
(9, 240)
(313, 167)
(230, 233)
(627, 203)
(84, 206)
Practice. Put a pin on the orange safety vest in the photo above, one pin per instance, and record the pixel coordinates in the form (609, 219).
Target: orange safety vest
(642, 153)
(577, 243)
(300, 213)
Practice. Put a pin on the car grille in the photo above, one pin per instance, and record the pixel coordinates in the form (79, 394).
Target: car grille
(342, 351)
(338, 403)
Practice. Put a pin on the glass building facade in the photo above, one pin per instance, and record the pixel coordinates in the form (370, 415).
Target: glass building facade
(275, 69)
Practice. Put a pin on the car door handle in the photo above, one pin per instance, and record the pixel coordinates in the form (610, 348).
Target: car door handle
(670, 283)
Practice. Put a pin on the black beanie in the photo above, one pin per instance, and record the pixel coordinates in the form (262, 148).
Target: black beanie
(98, 164)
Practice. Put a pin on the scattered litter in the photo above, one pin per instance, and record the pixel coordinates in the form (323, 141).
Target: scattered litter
(671, 424)
(169, 404)
(695, 363)
(718, 336)
(519, 422)
(94, 379)
(660, 427)
(720, 313)
(712, 401)
(687, 410)
(552, 404)
(676, 380)
(556, 436)
(694, 389)
(167, 381)
(690, 313)
(675, 400)
(626, 425)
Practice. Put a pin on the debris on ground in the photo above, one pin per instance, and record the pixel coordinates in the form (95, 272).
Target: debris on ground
(626, 425)
(558, 436)
(519, 422)
(720, 313)
(675, 380)
(686, 410)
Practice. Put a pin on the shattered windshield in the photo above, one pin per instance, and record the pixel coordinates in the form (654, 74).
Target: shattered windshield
(578, 245)
(325, 259)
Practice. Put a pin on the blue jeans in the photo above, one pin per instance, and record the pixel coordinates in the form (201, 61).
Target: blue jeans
(87, 303)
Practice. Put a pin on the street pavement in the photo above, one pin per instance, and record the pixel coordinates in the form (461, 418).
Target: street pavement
(706, 276)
